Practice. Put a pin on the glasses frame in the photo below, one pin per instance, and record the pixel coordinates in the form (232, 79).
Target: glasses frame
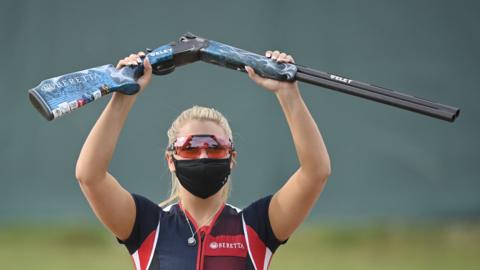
(187, 139)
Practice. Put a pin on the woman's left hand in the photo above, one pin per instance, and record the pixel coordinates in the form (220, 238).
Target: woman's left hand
(270, 84)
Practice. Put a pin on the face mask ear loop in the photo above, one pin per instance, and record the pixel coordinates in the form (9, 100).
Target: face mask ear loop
(229, 162)
(174, 161)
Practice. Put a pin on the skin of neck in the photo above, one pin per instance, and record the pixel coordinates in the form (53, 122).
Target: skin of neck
(201, 209)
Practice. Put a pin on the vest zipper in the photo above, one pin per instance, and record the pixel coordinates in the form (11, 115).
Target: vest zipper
(202, 245)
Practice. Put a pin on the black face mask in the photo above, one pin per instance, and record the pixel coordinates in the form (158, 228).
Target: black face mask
(202, 177)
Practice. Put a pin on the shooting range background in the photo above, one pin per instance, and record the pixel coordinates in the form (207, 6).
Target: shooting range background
(404, 192)
(387, 163)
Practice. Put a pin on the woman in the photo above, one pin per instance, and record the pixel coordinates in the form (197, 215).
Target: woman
(197, 229)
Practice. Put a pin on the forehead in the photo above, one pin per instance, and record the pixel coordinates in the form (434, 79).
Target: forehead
(201, 127)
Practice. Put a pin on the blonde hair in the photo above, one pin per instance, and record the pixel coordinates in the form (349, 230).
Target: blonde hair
(202, 114)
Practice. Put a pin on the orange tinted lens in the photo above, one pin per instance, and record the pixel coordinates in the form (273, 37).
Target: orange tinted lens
(189, 152)
(192, 153)
(220, 152)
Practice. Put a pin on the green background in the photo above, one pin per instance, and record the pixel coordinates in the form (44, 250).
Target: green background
(390, 166)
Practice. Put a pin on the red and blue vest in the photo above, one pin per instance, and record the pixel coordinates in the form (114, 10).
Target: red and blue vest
(235, 239)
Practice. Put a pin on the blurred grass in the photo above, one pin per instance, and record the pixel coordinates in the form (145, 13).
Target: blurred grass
(420, 246)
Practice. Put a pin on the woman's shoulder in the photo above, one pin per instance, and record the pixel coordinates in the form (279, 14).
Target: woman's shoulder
(260, 203)
(148, 209)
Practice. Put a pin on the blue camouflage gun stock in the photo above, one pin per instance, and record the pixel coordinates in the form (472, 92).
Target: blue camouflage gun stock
(58, 96)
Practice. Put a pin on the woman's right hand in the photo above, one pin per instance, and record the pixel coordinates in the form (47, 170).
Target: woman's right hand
(135, 59)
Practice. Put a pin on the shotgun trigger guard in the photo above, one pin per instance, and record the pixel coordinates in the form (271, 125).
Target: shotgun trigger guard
(164, 68)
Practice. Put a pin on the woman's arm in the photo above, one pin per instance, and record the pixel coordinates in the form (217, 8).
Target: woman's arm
(292, 203)
(112, 204)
